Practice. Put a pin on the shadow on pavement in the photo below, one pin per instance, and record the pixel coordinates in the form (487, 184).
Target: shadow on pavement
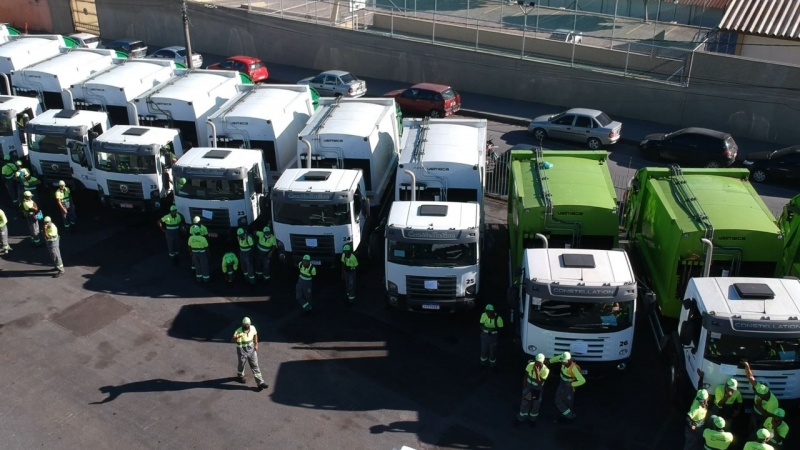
(162, 385)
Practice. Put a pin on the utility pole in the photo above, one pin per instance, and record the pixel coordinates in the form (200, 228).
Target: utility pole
(185, 13)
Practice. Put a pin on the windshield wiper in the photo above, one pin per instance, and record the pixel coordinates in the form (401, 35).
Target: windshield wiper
(774, 361)
(591, 325)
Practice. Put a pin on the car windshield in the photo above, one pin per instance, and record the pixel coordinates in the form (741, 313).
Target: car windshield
(580, 317)
(325, 215)
(348, 78)
(125, 163)
(181, 53)
(433, 255)
(210, 189)
(727, 349)
(557, 116)
(448, 93)
(603, 119)
(56, 145)
(5, 126)
(137, 45)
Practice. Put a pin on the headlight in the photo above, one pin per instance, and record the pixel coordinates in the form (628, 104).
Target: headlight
(100, 189)
(242, 222)
(392, 287)
(281, 247)
(624, 351)
(471, 289)
(154, 194)
(706, 385)
(531, 348)
(747, 163)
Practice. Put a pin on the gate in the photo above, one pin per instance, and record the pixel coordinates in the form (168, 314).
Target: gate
(497, 174)
(84, 16)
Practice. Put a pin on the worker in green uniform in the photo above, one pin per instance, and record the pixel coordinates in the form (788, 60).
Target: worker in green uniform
(198, 248)
(230, 264)
(12, 186)
(246, 254)
(53, 245)
(66, 205)
(265, 246)
(491, 324)
(762, 437)
(535, 375)
(32, 215)
(696, 420)
(19, 175)
(764, 402)
(778, 429)
(171, 226)
(571, 377)
(349, 265)
(202, 230)
(30, 184)
(4, 247)
(246, 340)
(302, 291)
(715, 437)
(727, 400)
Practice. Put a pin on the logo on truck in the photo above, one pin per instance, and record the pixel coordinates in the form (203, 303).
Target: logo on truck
(585, 292)
(569, 213)
(441, 169)
(307, 196)
(784, 327)
(425, 234)
(332, 140)
(732, 238)
(240, 123)
(206, 172)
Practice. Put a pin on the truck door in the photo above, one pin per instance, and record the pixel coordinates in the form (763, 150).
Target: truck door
(359, 214)
(254, 187)
(692, 335)
(82, 163)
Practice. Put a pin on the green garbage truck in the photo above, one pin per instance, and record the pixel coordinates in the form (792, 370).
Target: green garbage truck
(789, 224)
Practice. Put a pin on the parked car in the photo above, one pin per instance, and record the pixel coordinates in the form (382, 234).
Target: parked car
(699, 147)
(567, 36)
(178, 54)
(783, 163)
(336, 83)
(253, 67)
(86, 40)
(133, 47)
(427, 99)
(591, 126)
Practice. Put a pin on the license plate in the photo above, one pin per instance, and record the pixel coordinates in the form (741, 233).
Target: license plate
(584, 371)
(126, 205)
(430, 306)
(213, 235)
(316, 262)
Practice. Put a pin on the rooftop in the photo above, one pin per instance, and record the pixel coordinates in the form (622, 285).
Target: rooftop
(262, 102)
(129, 71)
(76, 60)
(338, 180)
(116, 135)
(198, 157)
(27, 43)
(721, 296)
(460, 141)
(610, 266)
(460, 216)
(192, 83)
(81, 118)
(769, 18)
(352, 117)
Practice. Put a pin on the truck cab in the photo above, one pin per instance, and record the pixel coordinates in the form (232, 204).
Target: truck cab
(432, 255)
(226, 188)
(316, 212)
(725, 319)
(133, 166)
(15, 111)
(59, 145)
(578, 301)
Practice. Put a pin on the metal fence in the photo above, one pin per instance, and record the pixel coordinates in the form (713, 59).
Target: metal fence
(652, 50)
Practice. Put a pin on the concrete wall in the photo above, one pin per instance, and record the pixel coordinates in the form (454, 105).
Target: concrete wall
(52, 16)
(718, 96)
(769, 49)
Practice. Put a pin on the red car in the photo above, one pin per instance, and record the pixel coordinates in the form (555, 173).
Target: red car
(427, 99)
(253, 67)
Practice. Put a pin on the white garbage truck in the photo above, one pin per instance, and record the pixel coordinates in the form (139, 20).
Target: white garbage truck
(226, 188)
(114, 88)
(20, 52)
(185, 102)
(15, 112)
(434, 231)
(579, 301)
(132, 165)
(266, 117)
(59, 143)
(50, 80)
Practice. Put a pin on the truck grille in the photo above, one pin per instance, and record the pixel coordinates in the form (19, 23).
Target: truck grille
(325, 245)
(595, 347)
(125, 190)
(445, 289)
(56, 170)
(219, 217)
(777, 384)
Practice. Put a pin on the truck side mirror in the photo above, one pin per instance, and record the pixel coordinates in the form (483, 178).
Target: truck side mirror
(687, 330)
(519, 272)
(688, 303)
(259, 187)
(650, 297)
(365, 206)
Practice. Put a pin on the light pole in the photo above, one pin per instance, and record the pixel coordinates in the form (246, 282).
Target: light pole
(185, 14)
(525, 8)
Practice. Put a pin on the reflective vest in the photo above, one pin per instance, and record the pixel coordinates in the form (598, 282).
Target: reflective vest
(229, 259)
(532, 371)
(63, 197)
(3, 219)
(350, 263)
(757, 446)
(490, 325)
(198, 244)
(245, 340)
(245, 244)
(717, 440)
(265, 241)
(172, 223)
(780, 435)
(719, 394)
(307, 272)
(199, 230)
(27, 205)
(697, 414)
(9, 170)
(28, 183)
(50, 232)
(769, 405)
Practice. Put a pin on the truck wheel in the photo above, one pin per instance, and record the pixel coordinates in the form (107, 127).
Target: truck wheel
(594, 144)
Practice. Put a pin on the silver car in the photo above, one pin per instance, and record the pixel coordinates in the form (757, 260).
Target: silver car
(178, 54)
(591, 126)
(336, 83)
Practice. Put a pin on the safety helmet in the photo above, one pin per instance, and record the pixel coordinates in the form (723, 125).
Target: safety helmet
(246, 321)
(196, 219)
(489, 308)
(47, 219)
(267, 230)
(19, 163)
(566, 356)
(779, 412)
(61, 183)
(718, 421)
(763, 433)
(27, 194)
(173, 208)
(7, 157)
(732, 383)
(702, 394)
(306, 258)
(540, 357)
(761, 388)
(346, 248)
(240, 231)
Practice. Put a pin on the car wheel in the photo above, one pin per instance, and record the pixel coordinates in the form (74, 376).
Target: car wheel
(713, 165)
(435, 113)
(540, 134)
(759, 175)
(594, 143)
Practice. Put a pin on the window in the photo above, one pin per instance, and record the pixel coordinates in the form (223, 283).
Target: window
(181, 53)
(581, 317)
(91, 40)
(324, 215)
(426, 95)
(603, 119)
(330, 80)
(5, 126)
(319, 79)
(125, 163)
(411, 93)
(433, 255)
(256, 65)
(164, 54)
(583, 121)
(566, 120)
(437, 97)
(357, 200)
(725, 349)
(348, 78)
(226, 65)
(210, 189)
(241, 67)
(449, 93)
(684, 140)
(55, 145)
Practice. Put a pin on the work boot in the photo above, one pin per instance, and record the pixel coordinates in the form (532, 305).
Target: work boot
(241, 379)
(262, 386)
(59, 274)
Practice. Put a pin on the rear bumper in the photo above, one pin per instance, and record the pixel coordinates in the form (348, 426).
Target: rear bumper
(452, 110)
(449, 305)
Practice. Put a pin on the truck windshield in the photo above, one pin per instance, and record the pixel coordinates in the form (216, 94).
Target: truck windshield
(433, 255)
(5, 126)
(581, 317)
(126, 163)
(727, 349)
(210, 189)
(325, 215)
(56, 145)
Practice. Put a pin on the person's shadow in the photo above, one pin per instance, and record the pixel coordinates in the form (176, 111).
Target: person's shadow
(162, 385)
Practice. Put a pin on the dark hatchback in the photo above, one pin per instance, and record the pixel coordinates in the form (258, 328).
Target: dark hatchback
(778, 164)
(134, 48)
(694, 147)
